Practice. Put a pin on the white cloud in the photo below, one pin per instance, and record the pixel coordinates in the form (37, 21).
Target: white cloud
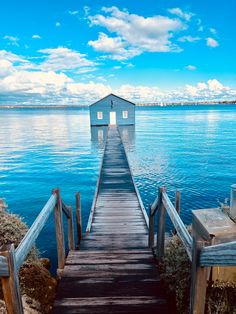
(58, 24)
(189, 39)
(86, 10)
(6, 68)
(108, 44)
(73, 12)
(191, 67)
(115, 46)
(86, 70)
(34, 82)
(211, 42)
(212, 89)
(36, 36)
(88, 92)
(23, 82)
(213, 30)
(11, 57)
(180, 13)
(117, 67)
(63, 59)
(12, 40)
(140, 93)
(134, 33)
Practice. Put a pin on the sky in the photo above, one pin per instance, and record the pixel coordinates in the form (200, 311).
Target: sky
(71, 52)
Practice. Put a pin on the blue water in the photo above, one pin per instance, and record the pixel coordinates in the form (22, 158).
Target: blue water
(192, 149)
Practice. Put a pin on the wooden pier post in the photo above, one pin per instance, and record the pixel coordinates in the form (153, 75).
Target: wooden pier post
(78, 218)
(161, 227)
(233, 202)
(71, 240)
(59, 232)
(177, 206)
(198, 280)
(151, 228)
(10, 284)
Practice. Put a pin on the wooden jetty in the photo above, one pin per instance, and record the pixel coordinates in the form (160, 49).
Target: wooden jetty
(114, 271)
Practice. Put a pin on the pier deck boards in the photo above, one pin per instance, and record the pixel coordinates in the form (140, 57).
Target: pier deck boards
(114, 271)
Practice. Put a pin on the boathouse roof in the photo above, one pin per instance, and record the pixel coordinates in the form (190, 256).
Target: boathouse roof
(114, 96)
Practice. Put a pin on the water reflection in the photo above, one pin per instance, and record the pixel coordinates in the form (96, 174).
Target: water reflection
(127, 133)
(99, 134)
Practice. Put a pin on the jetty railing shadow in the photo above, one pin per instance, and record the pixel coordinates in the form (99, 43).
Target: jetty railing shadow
(11, 259)
(201, 253)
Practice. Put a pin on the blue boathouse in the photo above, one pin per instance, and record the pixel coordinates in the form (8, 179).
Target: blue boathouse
(112, 110)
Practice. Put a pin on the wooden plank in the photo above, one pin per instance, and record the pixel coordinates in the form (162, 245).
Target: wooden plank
(111, 301)
(114, 271)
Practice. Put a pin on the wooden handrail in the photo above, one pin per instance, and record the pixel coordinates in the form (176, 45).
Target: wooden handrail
(89, 224)
(154, 207)
(200, 255)
(223, 254)
(135, 186)
(178, 224)
(11, 259)
(66, 210)
(30, 237)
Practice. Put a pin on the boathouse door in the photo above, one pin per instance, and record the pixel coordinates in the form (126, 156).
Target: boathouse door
(113, 118)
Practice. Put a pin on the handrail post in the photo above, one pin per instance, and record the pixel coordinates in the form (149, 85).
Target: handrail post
(71, 240)
(177, 205)
(78, 218)
(151, 228)
(10, 284)
(59, 232)
(199, 277)
(161, 226)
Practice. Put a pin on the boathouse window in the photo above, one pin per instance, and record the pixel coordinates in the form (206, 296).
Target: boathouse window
(125, 114)
(99, 115)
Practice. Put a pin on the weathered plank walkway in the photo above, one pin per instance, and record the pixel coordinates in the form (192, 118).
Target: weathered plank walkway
(114, 271)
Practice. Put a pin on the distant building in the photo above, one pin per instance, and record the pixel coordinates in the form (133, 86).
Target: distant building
(112, 110)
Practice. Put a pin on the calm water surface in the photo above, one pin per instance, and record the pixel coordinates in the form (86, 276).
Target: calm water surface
(192, 149)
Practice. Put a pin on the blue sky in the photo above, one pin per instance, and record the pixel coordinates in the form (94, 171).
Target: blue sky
(74, 52)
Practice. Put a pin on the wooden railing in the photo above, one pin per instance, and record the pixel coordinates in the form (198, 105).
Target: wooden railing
(90, 219)
(201, 256)
(11, 260)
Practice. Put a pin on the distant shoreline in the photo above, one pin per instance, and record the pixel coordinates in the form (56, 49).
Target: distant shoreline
(159, 104)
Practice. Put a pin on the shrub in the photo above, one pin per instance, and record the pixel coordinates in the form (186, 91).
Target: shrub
(176, 274)
(37, 285)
